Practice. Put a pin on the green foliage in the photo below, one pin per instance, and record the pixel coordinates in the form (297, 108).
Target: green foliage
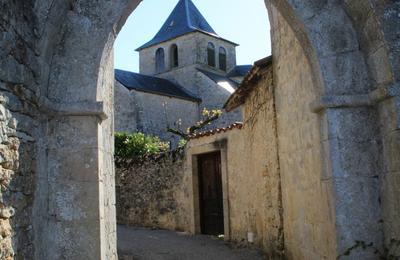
(182, 143)
(138, 145)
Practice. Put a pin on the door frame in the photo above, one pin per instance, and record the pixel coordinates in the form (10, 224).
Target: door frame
(216, 158)
(193, 173)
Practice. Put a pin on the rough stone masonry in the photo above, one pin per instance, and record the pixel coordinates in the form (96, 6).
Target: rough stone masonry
(56, 80)
(153, 193)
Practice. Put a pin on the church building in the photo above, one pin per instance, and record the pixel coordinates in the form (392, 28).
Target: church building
(185, 68)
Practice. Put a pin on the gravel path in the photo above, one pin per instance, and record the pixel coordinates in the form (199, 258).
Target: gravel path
(143, 244)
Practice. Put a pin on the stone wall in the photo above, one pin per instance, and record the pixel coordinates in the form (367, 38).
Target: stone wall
(203, 40)
(261, 169)
(19, 127)
(162, 192)
(107, 197)
(16, 186)
(187, 54)
(251, 178)
(153, 193)
(126, 114)
(192, 49)
(309, 226)
(201, 85)
(217, 100)
(51, 60)
(193, 56)
(152, 114)
(336, 84)
(156, 113)
(55, 98)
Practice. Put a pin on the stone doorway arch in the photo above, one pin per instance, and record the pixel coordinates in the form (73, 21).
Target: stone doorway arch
(65, 61)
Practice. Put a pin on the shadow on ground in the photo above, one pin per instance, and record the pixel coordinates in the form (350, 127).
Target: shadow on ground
(144, 244)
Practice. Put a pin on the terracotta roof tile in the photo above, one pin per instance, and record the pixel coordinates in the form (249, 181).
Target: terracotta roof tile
(237, 125)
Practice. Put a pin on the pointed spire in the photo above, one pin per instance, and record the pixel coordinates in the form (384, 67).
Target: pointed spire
(185, 18)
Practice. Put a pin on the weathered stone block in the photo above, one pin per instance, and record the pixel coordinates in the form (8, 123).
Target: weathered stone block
(378, 63)
(390, 205)
(74, 201)
(7, 212)
(354, 197)
(391, 146)
(337, 37)
(73, 133)
(67, 165)
(344, 74)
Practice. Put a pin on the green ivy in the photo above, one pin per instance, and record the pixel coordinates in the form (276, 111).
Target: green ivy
(138, 145)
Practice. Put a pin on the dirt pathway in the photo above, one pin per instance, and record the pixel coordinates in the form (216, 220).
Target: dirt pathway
(143, 244)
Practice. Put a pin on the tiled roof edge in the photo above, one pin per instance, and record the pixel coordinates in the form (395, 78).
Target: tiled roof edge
(237, 125)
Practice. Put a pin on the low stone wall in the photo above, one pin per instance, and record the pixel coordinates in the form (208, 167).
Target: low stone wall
(152, 193)
(16, 183)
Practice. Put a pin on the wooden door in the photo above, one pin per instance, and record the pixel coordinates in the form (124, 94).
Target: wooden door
(211, 203)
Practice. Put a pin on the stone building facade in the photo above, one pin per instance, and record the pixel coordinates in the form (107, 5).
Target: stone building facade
(251, 184)
(191, 55)
(153, 113)
(56, 69)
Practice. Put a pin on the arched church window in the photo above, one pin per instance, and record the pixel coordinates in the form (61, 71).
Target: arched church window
(211, 54)
(174, 56)
(160, 60)
(222, 59)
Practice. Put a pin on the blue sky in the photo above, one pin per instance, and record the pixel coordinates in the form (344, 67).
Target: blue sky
(241, 22)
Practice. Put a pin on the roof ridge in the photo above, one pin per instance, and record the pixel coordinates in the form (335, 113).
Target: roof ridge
(188, 14)
(184, 18)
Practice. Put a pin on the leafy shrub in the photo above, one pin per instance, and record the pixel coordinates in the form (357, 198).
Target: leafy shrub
(137, 145)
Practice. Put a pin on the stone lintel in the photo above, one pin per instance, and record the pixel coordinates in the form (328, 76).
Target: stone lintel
(86, 108)
(341, 101)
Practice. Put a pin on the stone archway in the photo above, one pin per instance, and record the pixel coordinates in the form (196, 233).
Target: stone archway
(62, 66)
(345, 102)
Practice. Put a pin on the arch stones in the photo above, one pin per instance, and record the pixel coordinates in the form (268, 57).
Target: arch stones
(57, 74)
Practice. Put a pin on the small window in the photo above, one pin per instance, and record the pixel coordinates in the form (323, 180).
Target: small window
(174, 56)
(211, 54)
(222, 59)
(160, 60)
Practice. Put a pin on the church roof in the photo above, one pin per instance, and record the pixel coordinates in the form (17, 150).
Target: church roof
(219, 78)
(184, 19)
(153, 85)
(239, 71)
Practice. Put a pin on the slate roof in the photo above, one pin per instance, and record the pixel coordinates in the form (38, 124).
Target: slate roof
(184, 19)
(239, 71)
(153, 85)
(219, 78)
